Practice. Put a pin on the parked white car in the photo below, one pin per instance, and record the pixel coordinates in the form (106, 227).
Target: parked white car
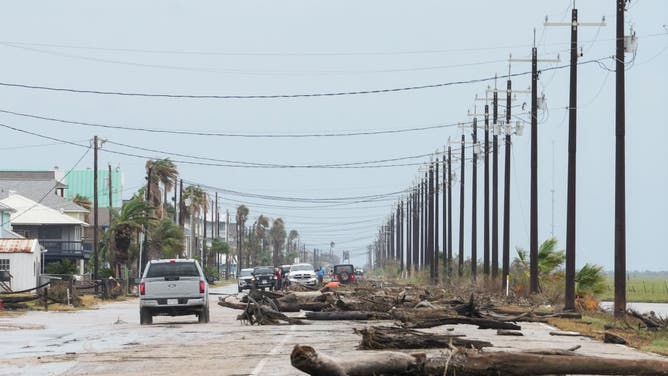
(303, 274)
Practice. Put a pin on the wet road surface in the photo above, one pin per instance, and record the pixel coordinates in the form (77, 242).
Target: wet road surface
(110, 341)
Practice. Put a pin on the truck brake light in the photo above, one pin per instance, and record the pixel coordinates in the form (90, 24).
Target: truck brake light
(202, 287)
(142, 288)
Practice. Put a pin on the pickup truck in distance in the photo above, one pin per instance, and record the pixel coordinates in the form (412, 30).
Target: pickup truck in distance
(173, 288)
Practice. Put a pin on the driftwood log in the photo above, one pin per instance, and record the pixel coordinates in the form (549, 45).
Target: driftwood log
(471, 363)
(306, 359)
(261, 314)
(481, 323)
(384, 338)
(348, 315)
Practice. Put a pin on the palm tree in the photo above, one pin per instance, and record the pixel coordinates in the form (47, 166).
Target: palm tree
(197, 202)
(590, 280)
(165, 172)
(549, 261)
(242, 217)
(166, 240)
(292, 236)
(277, 234)
(133, 216)
(261, 225)
(83, 201)
(154, 196)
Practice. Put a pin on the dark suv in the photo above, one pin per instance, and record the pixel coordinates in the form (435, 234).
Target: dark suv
(344, 273)
(264, 277)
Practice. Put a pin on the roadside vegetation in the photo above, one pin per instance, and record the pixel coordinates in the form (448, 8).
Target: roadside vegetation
(592, 287)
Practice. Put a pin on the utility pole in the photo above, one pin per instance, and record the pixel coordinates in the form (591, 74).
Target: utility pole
(423, 222)
(620, 169)
(416, 229)
(495, 186)
(143, 259)
(449, 247)
(569, 294)
(401, 237)
(218, 256)
(204, 255)
(445, 223)
(433, 252)
(182, 217)
(474, 203)
(175, 200)
(228, 259)
(435, 216)
(506, 194)
(462, 197)
(409, 233)
(486, 199)
(109, 212)
(533, 227)
(533, 242)
(96, 261)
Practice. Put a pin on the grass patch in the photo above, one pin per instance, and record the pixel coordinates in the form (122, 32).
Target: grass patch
(593, 324)
(640, 288)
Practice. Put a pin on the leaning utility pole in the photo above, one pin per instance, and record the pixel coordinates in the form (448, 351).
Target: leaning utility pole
(95, 214)
(569, 294)
(620, 170)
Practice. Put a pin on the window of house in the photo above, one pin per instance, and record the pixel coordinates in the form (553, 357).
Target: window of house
(50, 233)
(4, 264)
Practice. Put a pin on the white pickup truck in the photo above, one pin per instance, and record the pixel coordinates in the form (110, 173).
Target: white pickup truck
(175, 287)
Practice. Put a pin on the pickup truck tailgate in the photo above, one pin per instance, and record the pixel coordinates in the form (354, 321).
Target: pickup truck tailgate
(170, 287)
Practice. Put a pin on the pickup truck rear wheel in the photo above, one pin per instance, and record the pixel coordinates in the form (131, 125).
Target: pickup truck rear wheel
(203, 316)
(145, 316)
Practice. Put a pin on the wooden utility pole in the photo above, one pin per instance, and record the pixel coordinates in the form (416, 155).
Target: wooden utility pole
(485, 262)
(462, 197)
(569, 294)
(435, 216)
(96, 261)
(474, 203)
(495, 186)
(506, 193)
(620, 169)
(533, 236)
(449, 246)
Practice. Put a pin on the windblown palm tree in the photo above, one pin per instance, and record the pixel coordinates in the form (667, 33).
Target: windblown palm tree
(133, 216)
(166, 240)
(197, 203)
(277, 234)
(165, 172)
(83, 201)
(292, 236)
(242, 217)
(549, 261)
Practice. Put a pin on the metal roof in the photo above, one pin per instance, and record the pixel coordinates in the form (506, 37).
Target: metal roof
(29, 212)
(81, 182)
(39, 190)
(17, 245)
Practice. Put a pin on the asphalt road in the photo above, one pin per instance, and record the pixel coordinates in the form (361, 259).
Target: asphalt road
(110, 341)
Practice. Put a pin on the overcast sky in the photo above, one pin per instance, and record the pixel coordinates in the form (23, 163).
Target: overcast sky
(302, 47)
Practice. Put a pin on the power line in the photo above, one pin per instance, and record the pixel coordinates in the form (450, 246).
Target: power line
(276, 96)
(286, 54)
(227, 134)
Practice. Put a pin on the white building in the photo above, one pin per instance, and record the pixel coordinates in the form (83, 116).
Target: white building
(22, 259)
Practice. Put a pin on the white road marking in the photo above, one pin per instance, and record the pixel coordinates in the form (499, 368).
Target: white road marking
(258, 369)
